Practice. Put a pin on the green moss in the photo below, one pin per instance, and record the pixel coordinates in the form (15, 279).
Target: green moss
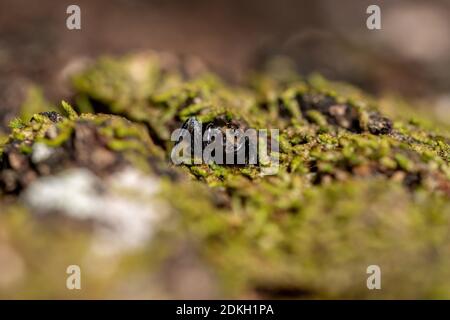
(16, 123)
(357, 183)
(319, 241)
(71, 114)
(317, 118)
(404, 162)
(332, 127)
(99, 142)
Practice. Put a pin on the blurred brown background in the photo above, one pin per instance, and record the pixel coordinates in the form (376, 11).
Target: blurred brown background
(409, 56)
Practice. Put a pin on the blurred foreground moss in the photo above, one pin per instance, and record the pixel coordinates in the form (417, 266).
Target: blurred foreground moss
(355, 187)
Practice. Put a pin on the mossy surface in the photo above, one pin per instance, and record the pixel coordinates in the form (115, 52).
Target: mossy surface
(51, 142)
(357, 184)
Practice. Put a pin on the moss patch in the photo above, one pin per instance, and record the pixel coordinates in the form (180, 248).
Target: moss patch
(357, 184)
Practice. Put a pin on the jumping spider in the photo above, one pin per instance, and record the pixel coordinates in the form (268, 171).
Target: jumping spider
(232, 132)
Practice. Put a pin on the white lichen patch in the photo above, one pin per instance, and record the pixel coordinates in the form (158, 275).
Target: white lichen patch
(124, 207)
(41, 152)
